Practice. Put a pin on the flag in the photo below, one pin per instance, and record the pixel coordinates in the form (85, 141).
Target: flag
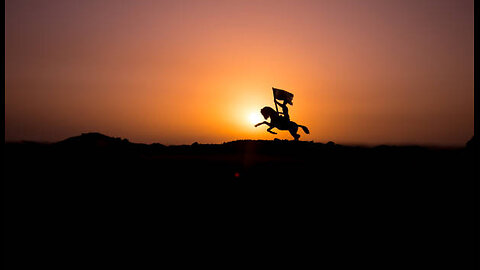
(283, 95)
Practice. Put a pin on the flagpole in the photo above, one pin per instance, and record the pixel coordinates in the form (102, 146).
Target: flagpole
(276, 107)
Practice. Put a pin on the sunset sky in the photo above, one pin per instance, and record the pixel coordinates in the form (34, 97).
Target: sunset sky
(178, 72)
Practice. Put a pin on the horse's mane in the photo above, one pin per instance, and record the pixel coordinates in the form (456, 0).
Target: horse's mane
(268, 111)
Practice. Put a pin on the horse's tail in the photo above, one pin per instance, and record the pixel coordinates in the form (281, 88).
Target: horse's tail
(305, 129)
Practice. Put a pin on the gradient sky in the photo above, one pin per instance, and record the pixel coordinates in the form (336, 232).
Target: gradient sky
(176, 72)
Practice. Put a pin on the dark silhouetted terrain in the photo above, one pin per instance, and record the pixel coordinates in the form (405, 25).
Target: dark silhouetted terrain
(98, 201)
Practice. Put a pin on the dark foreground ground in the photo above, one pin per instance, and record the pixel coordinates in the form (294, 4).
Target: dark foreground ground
(97, 201)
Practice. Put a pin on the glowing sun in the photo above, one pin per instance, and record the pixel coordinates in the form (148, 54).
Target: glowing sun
(255, 118)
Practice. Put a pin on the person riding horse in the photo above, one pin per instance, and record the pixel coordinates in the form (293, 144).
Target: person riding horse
(281, 120)
(284, 109)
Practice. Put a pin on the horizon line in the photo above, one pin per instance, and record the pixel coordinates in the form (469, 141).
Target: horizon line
(342, 143)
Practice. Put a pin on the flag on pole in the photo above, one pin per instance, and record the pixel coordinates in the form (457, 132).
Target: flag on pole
(282, 95)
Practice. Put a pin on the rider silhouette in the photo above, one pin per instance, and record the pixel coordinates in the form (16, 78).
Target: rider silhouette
(284, 109)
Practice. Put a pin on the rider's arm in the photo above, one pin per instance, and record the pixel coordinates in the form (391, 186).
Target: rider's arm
(281, 105)
(276, 101)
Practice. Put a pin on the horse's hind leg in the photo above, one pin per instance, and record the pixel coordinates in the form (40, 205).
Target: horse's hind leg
(293, 131)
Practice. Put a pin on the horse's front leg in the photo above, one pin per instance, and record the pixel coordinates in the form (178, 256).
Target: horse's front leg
(270, 130)
(262, 123)
(268, 124)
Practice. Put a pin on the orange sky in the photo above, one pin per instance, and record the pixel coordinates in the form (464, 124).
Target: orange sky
(176, 72)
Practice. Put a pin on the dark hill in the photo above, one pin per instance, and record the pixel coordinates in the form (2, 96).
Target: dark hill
(377, 206)
(93, 139)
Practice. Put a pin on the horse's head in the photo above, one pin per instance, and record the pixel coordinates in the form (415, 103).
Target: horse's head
(267, 112)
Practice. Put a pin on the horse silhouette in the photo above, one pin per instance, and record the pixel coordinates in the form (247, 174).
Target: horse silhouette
(281, 123)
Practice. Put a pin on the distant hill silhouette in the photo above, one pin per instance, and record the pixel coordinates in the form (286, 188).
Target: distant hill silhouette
(93, 139)
(406, 205)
